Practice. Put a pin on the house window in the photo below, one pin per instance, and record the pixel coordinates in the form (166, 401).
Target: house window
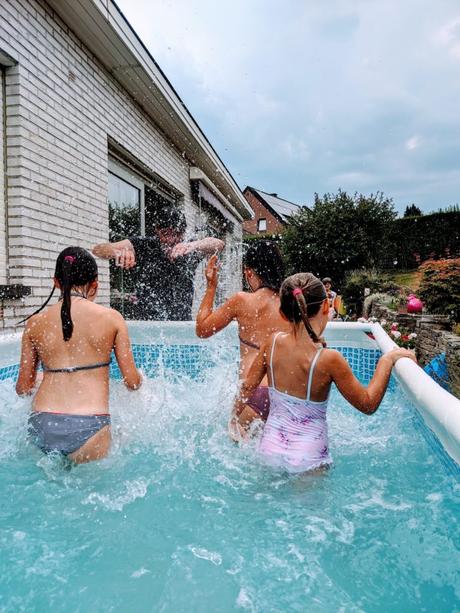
(262, 225)
(134, 206)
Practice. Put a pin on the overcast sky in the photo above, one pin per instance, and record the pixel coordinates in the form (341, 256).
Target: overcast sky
(307, 96)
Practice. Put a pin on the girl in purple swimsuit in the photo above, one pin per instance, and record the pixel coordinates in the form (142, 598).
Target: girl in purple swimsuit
(257, 312)
(300, 373)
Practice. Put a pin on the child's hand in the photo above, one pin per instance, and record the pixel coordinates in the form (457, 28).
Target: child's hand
(396, 354)
(212, 270)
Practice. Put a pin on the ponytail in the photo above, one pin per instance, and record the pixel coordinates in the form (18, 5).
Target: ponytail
(66, 287)
(302, 304)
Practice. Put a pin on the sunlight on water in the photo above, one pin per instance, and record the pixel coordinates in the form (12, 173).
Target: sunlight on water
(178, 518)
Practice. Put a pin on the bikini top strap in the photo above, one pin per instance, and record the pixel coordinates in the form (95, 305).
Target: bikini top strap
(312, 370)
(271, 358)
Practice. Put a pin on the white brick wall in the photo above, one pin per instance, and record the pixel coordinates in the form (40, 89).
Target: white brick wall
(3, 275)
(57, 152)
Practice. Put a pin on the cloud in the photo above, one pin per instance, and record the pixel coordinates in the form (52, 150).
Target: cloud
(413, 143)
(307, 97)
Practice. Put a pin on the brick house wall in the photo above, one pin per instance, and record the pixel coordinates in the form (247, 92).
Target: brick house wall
(61, 107)
(260, 211)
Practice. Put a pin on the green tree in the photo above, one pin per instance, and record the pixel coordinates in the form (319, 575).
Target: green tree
(412, 211)
(341, 232)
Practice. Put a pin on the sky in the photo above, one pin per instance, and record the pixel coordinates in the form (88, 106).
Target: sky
(305, 96)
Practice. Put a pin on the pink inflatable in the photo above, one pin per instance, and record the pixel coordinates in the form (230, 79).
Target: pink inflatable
(414, 304)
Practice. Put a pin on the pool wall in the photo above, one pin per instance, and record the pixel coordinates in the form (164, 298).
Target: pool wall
(360, 343)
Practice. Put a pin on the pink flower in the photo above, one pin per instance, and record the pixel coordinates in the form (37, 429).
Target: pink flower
(394, 326)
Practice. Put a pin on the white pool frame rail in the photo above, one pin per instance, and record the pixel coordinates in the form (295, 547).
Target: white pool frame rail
(439, 409)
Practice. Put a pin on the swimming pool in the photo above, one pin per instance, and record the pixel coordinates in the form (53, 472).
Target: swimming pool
(180, 519)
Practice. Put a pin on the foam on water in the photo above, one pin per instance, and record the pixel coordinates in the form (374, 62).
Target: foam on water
(178, 518)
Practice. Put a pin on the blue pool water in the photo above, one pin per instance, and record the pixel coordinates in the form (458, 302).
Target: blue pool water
(180, 519)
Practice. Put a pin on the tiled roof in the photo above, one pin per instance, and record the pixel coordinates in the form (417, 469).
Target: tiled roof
(282, 207)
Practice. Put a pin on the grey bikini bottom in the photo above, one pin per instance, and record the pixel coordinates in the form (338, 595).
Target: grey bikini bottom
(63, 432)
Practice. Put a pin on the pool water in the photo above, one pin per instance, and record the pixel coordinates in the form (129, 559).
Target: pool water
(178, 518)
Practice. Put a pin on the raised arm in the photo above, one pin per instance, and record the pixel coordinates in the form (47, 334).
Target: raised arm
(256, 373)
(208, 245)
(365, 399)
(131, 376)
(29, 363)
(122, 252)
(205, 246)
(208, 322)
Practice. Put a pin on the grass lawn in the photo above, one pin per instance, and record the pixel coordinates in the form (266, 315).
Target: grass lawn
(409, 279)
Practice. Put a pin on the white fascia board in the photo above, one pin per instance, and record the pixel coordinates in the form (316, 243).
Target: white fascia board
(196, 174)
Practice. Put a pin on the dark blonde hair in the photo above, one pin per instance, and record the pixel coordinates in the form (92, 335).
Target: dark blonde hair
(301, 298)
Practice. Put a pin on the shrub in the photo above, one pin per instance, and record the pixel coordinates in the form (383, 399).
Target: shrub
(340, 232)
(440, 287)
(357, 281)
(415, 239)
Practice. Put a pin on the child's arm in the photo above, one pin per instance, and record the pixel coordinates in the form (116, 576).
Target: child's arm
(208, 322)
(29, 363)
(254, 377)
(122, 346)
(365, 399)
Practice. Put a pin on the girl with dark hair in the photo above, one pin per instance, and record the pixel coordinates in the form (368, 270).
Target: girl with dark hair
(300, 372)
(257, 312)
(73, 340)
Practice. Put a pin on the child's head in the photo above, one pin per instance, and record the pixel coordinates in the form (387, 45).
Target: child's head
(303, 297)
(264, 258)
(75, 269)
(327, 282)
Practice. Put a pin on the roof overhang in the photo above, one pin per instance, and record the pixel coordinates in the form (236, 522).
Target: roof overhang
(217, 199)
(101, 26)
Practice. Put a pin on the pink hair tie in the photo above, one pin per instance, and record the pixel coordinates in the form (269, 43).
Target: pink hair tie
(69, 258)
(296, 292)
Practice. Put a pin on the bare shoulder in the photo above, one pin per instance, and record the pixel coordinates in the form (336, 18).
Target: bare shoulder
(33, 325)
(332, 356)
(107, 314)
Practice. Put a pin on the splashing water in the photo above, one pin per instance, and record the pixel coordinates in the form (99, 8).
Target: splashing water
(178, 518)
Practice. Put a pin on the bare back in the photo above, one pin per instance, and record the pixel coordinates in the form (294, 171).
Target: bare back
(94, 336)
(258, 317)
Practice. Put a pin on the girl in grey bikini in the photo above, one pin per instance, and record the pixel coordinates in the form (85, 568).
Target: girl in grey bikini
(73, 340)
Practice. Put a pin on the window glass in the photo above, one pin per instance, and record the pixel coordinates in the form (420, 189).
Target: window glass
(262, 224)
(124, 208)
(124, 221)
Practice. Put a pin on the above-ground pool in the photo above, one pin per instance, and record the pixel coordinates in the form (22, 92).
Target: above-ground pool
(178, 518)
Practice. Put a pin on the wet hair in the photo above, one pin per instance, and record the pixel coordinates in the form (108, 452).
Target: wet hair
(301, 305)
(265, 259)
(327, 280)
(171, 218)
(75, 267)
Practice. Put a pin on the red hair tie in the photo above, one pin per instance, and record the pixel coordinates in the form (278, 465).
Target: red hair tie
(296, 292)
(69, 258)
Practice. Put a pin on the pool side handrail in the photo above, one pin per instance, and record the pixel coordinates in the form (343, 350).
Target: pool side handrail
(439, 409)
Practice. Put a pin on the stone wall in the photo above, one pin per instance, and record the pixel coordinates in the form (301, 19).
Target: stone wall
(433, 337)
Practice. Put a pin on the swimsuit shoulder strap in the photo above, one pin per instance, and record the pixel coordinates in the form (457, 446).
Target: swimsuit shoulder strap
(271, 358)
(312, 370)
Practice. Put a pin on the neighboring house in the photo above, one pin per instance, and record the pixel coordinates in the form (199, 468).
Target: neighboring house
(92, 132)
(271, 212)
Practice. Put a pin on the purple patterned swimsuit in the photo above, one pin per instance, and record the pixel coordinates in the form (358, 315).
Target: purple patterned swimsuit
(295, 435)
